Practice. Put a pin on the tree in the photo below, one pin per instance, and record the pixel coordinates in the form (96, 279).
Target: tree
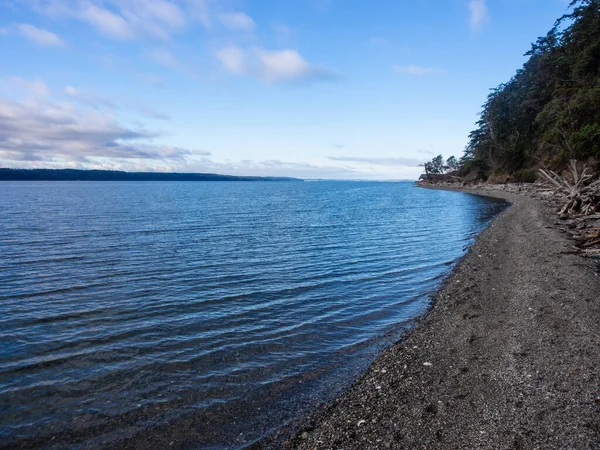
(549, 111)
(437, 165)
(452, 164)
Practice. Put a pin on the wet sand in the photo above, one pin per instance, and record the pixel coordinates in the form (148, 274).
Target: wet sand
(507, 358)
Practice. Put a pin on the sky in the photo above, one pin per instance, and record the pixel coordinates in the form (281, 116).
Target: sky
(337, 89)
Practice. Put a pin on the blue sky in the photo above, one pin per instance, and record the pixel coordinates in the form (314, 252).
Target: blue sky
(346, 89)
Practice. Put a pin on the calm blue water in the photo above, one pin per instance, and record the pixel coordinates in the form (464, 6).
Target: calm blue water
(206, 314)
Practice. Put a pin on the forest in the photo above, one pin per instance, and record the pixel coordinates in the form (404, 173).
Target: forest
(548, 113)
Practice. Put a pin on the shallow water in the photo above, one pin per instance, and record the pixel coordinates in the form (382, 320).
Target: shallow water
(220, 309)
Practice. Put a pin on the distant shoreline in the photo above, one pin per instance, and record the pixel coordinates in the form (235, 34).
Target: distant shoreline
(116, 175)
(505, 358)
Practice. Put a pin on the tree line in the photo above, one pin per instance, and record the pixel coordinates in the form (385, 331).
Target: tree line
(7, 174)
(549, 112)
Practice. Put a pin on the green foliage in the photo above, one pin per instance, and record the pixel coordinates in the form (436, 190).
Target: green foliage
(452, 164)
(525, 176)
(586, 141)
(477, 166)
(549, 111)
(435, 166)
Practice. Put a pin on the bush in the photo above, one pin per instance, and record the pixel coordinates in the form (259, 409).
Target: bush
(525, 176)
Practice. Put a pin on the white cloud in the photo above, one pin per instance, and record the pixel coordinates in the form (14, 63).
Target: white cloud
(318, 168)
(409, 162)
(12, 85)
(94, 101)
(283, 65)
(194, 161)
(106, 22)
(233, 59)
(417, 70)
(156, 10)
(38, 36)
(274, 167)
(165, 58)
(40, 133)
(237, 21)
(157, 18)
(71, 91)
(271, 66)
(150, 113)
(99, 102)
(478, 14)
(199, 10)
(120, 19)
(43, 133)
(36, 130)
(138, 19)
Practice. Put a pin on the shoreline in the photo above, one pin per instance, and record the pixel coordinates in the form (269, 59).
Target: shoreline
(505, 358)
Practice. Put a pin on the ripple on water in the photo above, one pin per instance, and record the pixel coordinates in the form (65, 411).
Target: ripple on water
(149, 307)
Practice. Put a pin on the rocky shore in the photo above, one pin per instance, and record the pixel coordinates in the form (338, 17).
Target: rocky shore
(507, 358)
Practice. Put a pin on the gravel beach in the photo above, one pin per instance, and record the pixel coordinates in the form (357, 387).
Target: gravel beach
(507, 358)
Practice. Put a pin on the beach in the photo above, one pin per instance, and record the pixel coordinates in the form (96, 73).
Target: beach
(507, 357)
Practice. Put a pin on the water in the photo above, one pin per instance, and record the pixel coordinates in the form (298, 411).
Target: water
(206, 314)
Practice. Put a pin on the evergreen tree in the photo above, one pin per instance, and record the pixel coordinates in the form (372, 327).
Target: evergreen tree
(549, 111)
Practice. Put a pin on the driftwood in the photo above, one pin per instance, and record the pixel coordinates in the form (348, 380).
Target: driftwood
(592, 252)
(578, 204)
(590, 243)
(577, 201)
(582, 195)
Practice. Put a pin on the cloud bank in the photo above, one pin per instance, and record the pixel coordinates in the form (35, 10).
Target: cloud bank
(38, 129)
(41, 132)
(408, 162)
(83, 132)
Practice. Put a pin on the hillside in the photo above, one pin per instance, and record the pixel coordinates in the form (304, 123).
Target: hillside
(548, 113)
